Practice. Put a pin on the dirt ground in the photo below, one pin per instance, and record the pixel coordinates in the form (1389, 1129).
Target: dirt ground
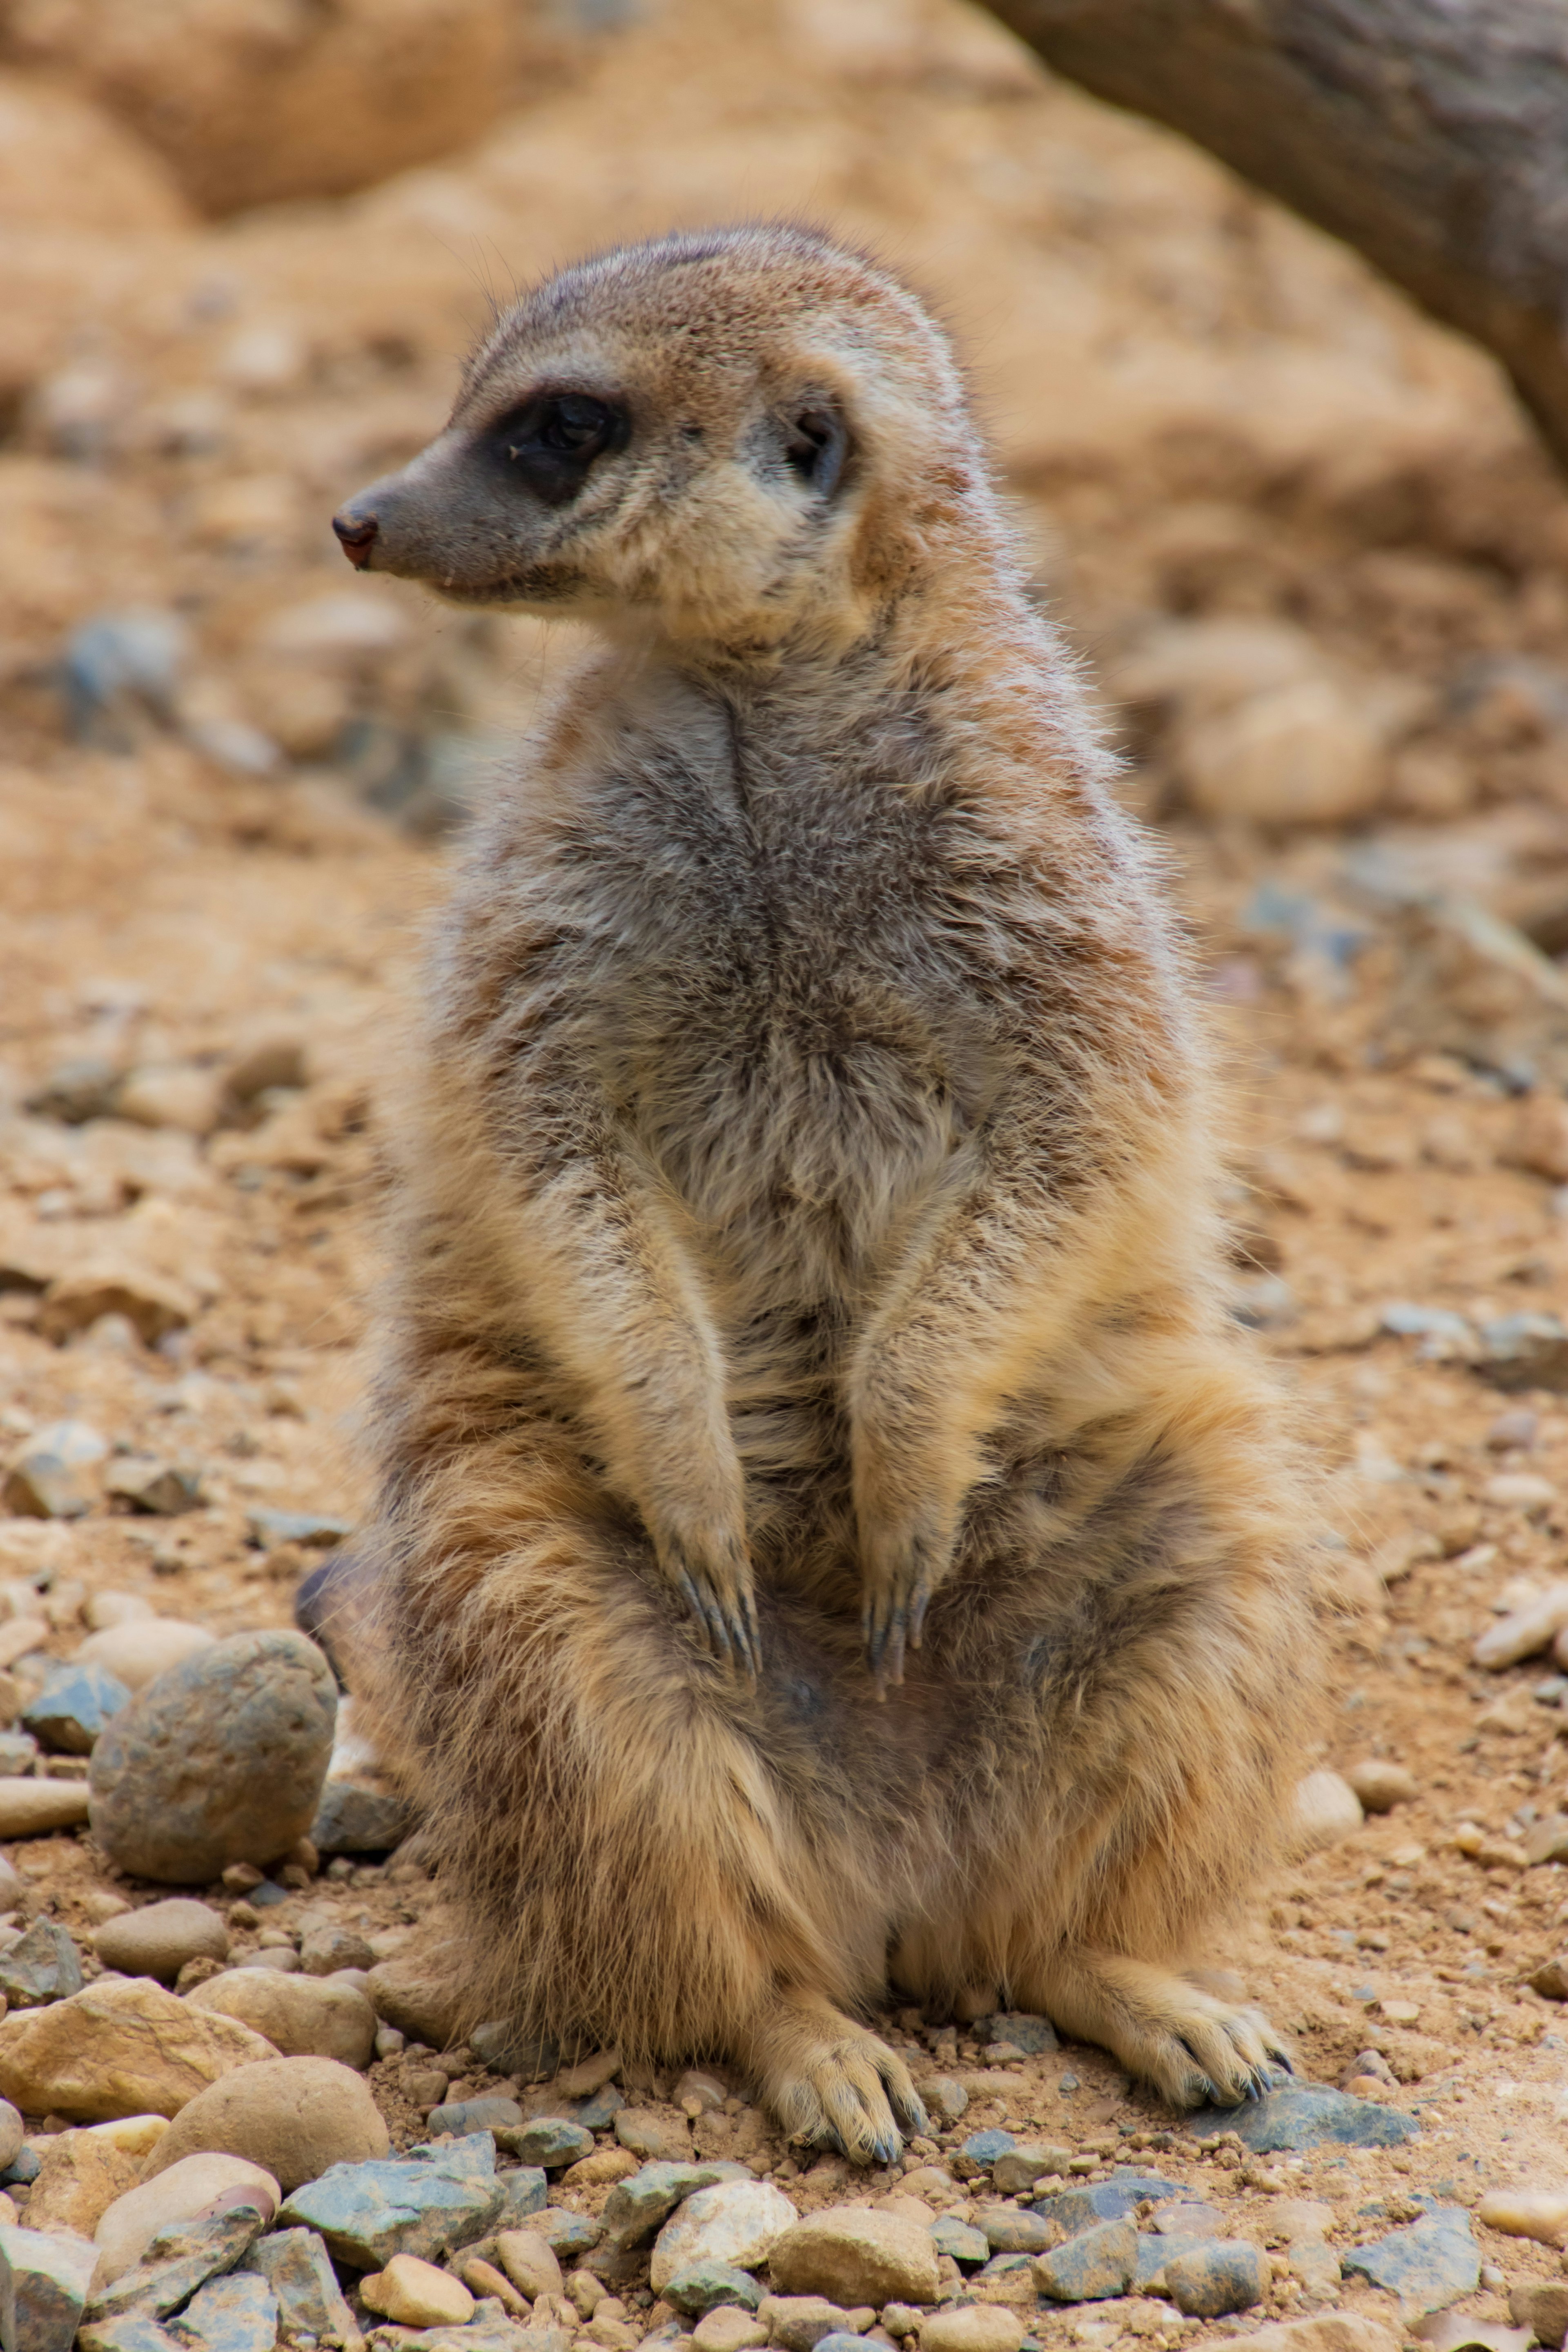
(1245, 472)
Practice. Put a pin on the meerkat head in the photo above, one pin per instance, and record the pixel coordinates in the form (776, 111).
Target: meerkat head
(727, 436)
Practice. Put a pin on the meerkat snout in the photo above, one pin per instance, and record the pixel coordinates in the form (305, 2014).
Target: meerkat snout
(657, 435)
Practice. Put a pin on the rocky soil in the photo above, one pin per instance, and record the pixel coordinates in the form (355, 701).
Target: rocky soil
(1320, 567)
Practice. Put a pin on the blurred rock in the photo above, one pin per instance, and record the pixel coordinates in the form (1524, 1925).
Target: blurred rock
(172, 1093)
(1327, 1809)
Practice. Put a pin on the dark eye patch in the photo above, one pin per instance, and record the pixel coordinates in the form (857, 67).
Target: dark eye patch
(549, 444)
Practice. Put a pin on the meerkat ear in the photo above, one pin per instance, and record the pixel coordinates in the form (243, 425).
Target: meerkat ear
(816, 444)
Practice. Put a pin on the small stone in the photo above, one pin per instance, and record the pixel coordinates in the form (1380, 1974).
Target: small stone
(296, 2117)
(1021, 2167)
(320, 1529)
(1307, 2115)
(59, 1476)
(1115, 2200)
(183, 2193)
(353, 1819)
(487, 2284)
(75, 1702)
(302, 2017)
(1184, 2217)
(1524, 1631)
(589, 2074)
(1008, 2231)
(504, 2050)
(698, 2093)
(417, 2294)
(111, 1608)
(730, 2328)
(79, 2179)
(137, 1650)
(177, 2259)
(462, 2116)
(523, 2194)
(646, 2132)
(219, 1760)
(704, 2286)
(42, 1966)
(1091, 2267)
(153, 1304)
(600, 2108)
(852, 2256)
(236, 2314)
(637, 2207)
(117, 2049)
(1216, 2276)
(1542, 2306)
(961, 2242)
(1380, 1785)
(128, 2336)
(973, 2327)
(19, 1753)
(44, 2283)
(1327, 1809)
(425, 2203)
(1542, 2214)
(529, 2262)
(13, 2130)
(734, 2226)
(158, 1939)
(1428, 2266)
(417, 1995)
(298, 2268)
(163, 1490)
(35, 1808)
(1295, 2219)
(982, 2148)
(1029, 2035)
(327, 1949)
(568, 2235)
(1317, 2267)
(547, 2140)
(945, 2096)
(800, 2322)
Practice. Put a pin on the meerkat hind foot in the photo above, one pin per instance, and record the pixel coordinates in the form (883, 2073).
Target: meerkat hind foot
(1192, 2047)
(834, 2084)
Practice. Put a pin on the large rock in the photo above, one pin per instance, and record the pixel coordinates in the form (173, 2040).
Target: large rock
(426, 2203)
(186, 2191)
(219, 1760)
(237, 2312)
(1092, 2266)
(303, 2016)
(176, 2260)
(1307, 2114)
(1429, 2266)
(296, 2117)
(298, 2268)
(736, 2222)
(128, 2049)
(1216, 2277)
(44, 2283)
(157, 1941)
(854, 2257)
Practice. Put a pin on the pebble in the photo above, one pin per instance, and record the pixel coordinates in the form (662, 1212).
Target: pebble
(327, 1950)
(236, 2314)
(1008, 2231)
(983, 2147)
(160, 1489)
(799, 2321)
(44, 2283)
(176, 2261)
(296, 2117)
(183, 2193)
(354, 1819)
(419, 1998)
(42, 1966)
(705, 2286)
(137, 1650)
(302, 2017)
(13, 2130)
(1031, 2036)
(66, 1715)
(1327, 1810)
(547, 2140)
(853, 2257)
(529, 2262)
(219, 1760)
(322, 1530)
(961, 2242)
(1428, 2266)
(1216, 2277)
(485, 2282)
(568, 2235)
(524, 2193)
(1380, 1785)
(158, 1939)
(1307, 2115)
(108, 1608)
(1109, 2200)
(637, 2207)
(1186, 2218)
(35, 1808)
(1542, 2306)
(945, 2097)
(1524, 1631)
(973, 2327)
(461, 2115)
(425, 2203)
(1297, 2218)
(79, 2177)
(1091, 2267)
(734, 2225)
(1542, 2214)
(646, 2133)
(498, 2045)
(732, 2329)
(57, 1475)
(298, 2269)
(123, 2048)
(1019, 2169)
(416, 2294)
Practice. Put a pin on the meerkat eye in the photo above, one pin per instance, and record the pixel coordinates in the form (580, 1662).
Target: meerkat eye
(551, 442)
(816, 446)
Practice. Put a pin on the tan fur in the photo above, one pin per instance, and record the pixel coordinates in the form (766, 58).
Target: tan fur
(807, 1220)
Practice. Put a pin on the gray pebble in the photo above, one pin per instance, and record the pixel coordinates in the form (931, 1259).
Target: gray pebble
(72, 1708)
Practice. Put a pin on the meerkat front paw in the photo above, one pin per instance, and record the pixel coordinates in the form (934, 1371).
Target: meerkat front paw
(832, 2084)
(901, 1567)
(1192, 2047)
(713, 1578)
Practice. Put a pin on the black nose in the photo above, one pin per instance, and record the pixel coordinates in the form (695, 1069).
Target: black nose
(358, 535)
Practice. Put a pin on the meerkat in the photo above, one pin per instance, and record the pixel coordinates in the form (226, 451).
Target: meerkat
(831, 1536)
